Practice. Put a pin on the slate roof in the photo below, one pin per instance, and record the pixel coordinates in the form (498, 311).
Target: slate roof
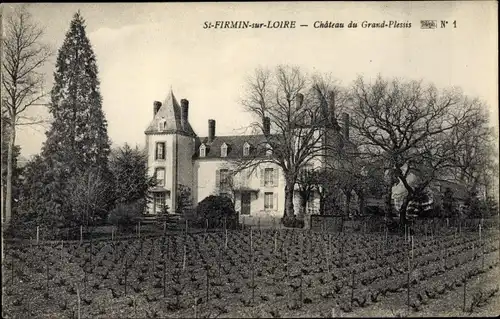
(171, 112)
(235, 145)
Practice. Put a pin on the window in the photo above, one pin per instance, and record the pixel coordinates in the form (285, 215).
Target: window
(268, 177)
(162, 125)
(159, 202)
(160, 151)
(223, 150)
(224, 179)
(268, 200)
(311, 206)
(203, 150)
(246, 149)
(160, 176)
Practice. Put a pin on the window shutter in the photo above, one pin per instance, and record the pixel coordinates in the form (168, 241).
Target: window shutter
(275, 177)
(275, 204)
(164, 150)
(156, 150)
(262, 177)
(217, 179)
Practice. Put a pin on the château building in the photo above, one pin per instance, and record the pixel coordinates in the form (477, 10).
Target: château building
(179, 158)
(205, 165)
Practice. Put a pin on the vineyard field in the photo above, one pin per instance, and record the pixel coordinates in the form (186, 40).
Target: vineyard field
(253, 273)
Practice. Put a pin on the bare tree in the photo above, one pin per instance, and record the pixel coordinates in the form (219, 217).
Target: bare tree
(292, 116)
(408, 125)
(307, 183)
(346, 171)
(474, 152)
(327, 189)
(90, 192)
(23, 56)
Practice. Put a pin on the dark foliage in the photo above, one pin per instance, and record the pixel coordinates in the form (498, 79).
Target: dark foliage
(216, 210)
(77, 142)
(448, 209)
(292, 222)
(126, 215)
(130, 176)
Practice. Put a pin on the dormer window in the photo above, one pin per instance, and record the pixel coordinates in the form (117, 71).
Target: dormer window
(223, 150)
(269, 150)
(203, 150)
(246, 149)
(162, 125)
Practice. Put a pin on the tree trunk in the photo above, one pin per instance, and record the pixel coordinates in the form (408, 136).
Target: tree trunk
(388, 202)
(303, 211)
(402, 211)
(321, 204)
(289, 213)
(302, 208)
(361, 199)
(3, 199)
(10, 168)
(348, 196)
(3, 202)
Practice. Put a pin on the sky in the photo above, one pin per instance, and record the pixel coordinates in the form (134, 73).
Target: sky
(144, 50)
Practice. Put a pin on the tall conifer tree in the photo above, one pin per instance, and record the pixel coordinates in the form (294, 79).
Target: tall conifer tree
(78, 137)
(78, 140)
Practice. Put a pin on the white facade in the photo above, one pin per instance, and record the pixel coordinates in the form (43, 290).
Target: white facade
(199, 163)
(251, 185)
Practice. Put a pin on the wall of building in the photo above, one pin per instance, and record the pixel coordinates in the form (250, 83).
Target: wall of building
(204, 177)
(168, 163)
(200, 176)
(399, 191)
(435, 190)
(257, 206)
(185, 163)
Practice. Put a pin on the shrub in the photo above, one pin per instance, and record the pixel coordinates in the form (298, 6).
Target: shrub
(126, 215)
(393, 226)
(20, 226)
(215, 209)
(292, 222)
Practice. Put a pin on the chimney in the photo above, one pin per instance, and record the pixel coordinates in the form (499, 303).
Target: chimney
(345, 120)
(267, 125)
(156, 107)
(211, 130)
(184, 111)
(299, 99)
(331, 105)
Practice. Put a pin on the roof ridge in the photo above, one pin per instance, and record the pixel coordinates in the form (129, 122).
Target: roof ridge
(243, 135)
